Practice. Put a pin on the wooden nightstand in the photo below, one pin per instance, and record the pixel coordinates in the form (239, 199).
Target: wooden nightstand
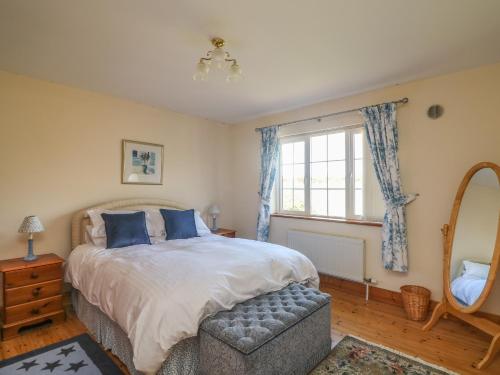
(31, 293)
(226, 232)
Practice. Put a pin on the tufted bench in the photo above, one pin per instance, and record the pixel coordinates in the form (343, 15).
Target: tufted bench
(283, 332)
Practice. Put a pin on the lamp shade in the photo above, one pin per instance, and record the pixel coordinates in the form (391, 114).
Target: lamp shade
(214, 210)
(31, 224)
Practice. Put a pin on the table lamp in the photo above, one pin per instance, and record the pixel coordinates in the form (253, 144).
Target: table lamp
(31, 224)
(214, 211)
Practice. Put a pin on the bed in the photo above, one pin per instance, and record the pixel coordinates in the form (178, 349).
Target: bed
(146, 302)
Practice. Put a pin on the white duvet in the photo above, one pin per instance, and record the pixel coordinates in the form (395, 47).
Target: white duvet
(468, 288)
(160, 293)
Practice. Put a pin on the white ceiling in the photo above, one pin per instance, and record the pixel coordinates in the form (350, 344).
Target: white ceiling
(292, 52)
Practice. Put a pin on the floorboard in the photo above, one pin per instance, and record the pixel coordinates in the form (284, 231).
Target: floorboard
(451, 344)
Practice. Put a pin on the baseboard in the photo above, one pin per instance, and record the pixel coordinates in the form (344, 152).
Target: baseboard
(357, 288)
(381, 295)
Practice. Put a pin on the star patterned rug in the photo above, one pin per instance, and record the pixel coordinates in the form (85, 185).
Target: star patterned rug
(79, 355)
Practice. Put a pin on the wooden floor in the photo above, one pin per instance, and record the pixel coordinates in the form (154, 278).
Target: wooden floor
(451, 344)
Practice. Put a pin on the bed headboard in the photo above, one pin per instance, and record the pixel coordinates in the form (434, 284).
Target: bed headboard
(80, 219)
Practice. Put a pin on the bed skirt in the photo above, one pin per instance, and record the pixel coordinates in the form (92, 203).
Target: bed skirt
(184, 358)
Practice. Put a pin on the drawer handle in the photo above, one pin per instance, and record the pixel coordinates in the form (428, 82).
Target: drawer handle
(36, 291)
(35, 311)
(34, 275)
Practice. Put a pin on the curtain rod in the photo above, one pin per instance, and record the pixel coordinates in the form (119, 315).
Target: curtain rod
(400, 101)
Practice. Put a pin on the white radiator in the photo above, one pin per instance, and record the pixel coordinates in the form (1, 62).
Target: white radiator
(333, 255)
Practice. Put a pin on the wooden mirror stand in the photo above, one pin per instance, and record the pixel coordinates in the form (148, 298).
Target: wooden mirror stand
(449, 305)
(444, 307)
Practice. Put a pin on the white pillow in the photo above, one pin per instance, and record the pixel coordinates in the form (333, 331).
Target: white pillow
(102, 241)
(97, 241)
(87, 238)
(477, 270)
(154, 222)
(98, 228)
(201, 227)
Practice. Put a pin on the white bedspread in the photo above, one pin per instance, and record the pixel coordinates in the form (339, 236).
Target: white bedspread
(468, 288)
(159, 294)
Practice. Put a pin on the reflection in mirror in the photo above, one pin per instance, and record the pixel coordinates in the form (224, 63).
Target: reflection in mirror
(475, 237)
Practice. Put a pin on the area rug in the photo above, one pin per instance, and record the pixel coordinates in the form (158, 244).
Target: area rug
(353, 356)
(78, 355)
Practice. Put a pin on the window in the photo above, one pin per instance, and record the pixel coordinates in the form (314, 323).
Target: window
(328, 174)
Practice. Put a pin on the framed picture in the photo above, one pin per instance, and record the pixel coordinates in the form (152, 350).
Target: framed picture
(142, 163)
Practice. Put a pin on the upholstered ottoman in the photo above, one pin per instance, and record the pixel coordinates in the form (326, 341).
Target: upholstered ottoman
(283, 332)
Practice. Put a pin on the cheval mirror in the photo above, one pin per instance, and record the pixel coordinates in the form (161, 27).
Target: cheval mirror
(472, 253)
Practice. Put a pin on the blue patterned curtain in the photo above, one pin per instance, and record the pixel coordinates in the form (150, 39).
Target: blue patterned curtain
(382, 135)
(269, 157)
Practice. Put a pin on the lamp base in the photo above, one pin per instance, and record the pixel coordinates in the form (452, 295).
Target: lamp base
(31, 256)
(214, 228)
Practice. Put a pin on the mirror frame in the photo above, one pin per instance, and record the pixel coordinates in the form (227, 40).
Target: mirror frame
(451, 236)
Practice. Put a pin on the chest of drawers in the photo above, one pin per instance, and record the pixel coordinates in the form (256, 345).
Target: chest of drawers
(31, 293)
(226, 232)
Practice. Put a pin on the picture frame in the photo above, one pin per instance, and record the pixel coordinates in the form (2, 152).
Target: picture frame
(142, 163)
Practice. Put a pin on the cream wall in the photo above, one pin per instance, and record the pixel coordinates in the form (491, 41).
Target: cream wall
(61, 151)
(434, 156)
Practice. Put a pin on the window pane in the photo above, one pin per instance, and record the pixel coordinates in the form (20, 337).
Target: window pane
(358, 145)
(358, 202)
(287, 203)
(287, 176)
(287, 153)
(358, 174)
(336, 203)
(329, 157)
(298, 176)
(336, 146)
(318, 148)
(318, 175)
(336, 174)
(298, 152)
(298, 200)
(319, 202)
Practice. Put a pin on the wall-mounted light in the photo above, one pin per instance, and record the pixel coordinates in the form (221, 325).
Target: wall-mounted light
(435, 111)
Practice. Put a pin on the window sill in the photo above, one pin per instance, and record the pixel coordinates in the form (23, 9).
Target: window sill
(330, 219)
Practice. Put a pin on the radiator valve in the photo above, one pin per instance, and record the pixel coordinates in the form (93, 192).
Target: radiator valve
(371, 280)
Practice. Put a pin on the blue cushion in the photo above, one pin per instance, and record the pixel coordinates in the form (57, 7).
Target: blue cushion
(179, 224)
(125, 229)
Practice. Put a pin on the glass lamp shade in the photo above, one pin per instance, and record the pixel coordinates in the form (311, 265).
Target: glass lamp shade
(234, 73)
(202, 70)
(218, 55)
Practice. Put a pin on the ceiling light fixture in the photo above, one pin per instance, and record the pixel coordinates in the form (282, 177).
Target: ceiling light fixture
(221, 59)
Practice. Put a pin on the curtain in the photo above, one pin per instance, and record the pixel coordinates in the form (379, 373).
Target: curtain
(269, 157)
(382, 135)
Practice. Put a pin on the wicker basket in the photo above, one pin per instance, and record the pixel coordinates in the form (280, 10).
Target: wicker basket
(416, 301)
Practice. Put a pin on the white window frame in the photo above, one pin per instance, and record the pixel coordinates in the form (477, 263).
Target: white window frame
(350, 188)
